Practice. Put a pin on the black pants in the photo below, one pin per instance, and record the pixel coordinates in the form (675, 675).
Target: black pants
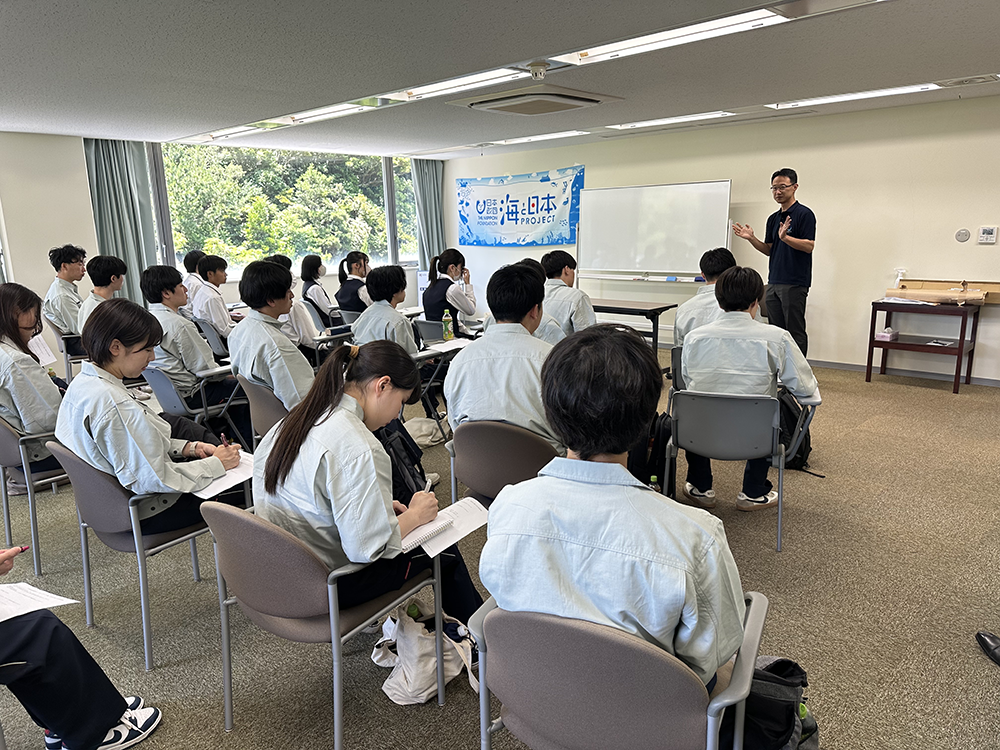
(458, 593)
(187, 511)
(74, 348)
(57, 681)
(786, 308)
(755, 482)
(218, 392)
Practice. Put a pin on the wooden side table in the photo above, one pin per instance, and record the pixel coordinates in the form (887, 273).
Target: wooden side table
(956, 348)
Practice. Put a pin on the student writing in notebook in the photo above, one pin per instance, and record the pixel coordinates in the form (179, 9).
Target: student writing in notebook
(321, 474)
(102, 423)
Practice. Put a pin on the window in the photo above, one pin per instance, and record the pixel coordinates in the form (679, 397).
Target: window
(406, 210)
(248, 203)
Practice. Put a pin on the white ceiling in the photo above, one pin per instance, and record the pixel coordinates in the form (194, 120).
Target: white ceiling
(170, 69)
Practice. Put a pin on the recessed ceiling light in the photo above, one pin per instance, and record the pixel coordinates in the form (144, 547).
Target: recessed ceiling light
(852, 97)
(216, 135)
(675, 37)
(672, 120)
(543, 137)
(465, 83)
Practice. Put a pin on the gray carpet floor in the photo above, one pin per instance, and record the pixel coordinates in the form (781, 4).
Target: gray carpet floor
(890, 565)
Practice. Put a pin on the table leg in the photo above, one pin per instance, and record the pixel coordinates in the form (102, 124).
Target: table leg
(975, 328)
(655, 319)
(885, 352)
(961, 349)
(871, 347)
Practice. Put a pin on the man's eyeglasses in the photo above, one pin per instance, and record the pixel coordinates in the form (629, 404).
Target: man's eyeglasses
(780, 188)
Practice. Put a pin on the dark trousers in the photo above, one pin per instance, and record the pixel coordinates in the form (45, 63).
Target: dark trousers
(458, 593)
(218, 392)
(755, 482)
(187, 511)
(74, 348)
(786, 308)
(59, 684)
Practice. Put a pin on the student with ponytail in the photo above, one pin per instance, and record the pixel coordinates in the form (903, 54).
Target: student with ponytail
(353, 295)
(444, 293)
(323, 476)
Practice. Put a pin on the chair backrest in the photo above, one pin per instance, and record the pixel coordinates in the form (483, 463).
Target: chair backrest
(218, 346)
(491, 455)
(349, 316)
(10, 453)
(60, 335)
(430, 330)
(166, 392)
(100, 497)
(288, 581)
(568, 683)
(265, 408)
(725, 426)
(676, 376)
(314, 314)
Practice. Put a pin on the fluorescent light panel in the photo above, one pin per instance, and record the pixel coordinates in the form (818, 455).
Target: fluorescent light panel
(852, 97)
(465, 83)
(328, 113)
(543, 137)
(684, 35)
(672, 120)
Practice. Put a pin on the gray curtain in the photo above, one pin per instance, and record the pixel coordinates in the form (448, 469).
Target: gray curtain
(121, 197)
(428, 184)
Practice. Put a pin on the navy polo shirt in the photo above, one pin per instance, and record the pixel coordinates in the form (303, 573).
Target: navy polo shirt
(788, 265)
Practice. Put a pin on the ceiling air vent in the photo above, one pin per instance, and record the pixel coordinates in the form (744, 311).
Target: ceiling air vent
(970, 81)
(534, 100)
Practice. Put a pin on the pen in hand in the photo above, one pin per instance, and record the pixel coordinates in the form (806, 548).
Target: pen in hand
(427, 487)
(224, 441)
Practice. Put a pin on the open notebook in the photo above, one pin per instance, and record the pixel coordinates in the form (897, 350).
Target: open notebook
(452, 524)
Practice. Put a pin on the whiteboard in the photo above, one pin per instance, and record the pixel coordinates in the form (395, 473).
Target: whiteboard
(655, 228)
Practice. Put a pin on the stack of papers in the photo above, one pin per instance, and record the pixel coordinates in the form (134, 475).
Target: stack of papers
(233, 477)
(447, 346)
(18, 599)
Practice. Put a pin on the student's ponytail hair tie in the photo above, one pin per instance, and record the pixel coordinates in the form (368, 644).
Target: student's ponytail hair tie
(354, 351)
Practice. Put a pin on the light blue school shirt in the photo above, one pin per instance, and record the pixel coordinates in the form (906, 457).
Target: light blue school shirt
(62, 306)
(588, 541)
(89, 305)
(571, 307)
(381, 322)
(498, 377)
(29, 400)
(701, 309)
(548, 329)
(103, 424)
(737, 354)
(261, 353)
(182, 352)
(337, 498)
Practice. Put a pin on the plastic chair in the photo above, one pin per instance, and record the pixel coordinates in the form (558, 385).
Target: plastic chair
(676, 375)
(430, 330)
(731, 427)
(487, 456)
(568, 684)
(291, 593)
(173, 403)
(14, 454)
(114, 513)
(218, 346)
(265, 408)
(349, 316)
(61, 342)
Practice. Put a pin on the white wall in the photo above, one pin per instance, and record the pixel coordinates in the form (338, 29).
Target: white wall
(889, 188)
(44, 202)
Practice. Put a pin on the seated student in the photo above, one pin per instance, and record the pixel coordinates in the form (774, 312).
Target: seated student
(548, 329)
(567, 304)
(103, 424)
(208, 303)
(61, 686)
(321, 474)
(183, 352)
(588, 541)
(107, 274)
(192, 281)
(62, 301)
(352, 271)
(737, 354)
(450, 289)
(703, 307)
(29, 399)
(381, 322)
(313, 292)
(260, 351)
(499, 376)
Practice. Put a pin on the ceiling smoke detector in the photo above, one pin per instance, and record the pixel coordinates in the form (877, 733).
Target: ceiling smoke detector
(538, 69)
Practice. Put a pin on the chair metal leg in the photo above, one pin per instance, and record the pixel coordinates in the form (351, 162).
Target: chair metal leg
(68, 364)
(36, 552)
(88, 594)
(338, 678)
(227, 657)
(438, 629)
(5, 499)
(140, 555)
(195, 569)
(485, 735)
(738, 728)
(454, 483)
(781, 494)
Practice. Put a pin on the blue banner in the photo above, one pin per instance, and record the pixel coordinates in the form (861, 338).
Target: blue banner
(541, 208)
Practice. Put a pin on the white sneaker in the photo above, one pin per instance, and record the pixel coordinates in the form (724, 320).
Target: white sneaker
(135, 726)
(756, 503)
(698, 498)
(433, 477)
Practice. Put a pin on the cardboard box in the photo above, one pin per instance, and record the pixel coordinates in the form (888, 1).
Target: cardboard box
(956, 296)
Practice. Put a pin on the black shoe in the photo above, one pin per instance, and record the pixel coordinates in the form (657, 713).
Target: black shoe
(990, 644)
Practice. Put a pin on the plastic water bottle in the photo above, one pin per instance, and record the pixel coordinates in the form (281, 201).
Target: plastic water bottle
(654, 484)
(448, 324)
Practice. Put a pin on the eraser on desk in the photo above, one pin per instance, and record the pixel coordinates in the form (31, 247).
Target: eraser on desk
(671, 278)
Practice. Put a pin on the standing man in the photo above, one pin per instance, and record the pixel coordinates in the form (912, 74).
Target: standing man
(788, 241)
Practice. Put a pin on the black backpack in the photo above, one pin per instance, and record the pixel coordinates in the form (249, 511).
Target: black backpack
(776, 714)
(649, 458)
(790, 411)
(407, 473)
